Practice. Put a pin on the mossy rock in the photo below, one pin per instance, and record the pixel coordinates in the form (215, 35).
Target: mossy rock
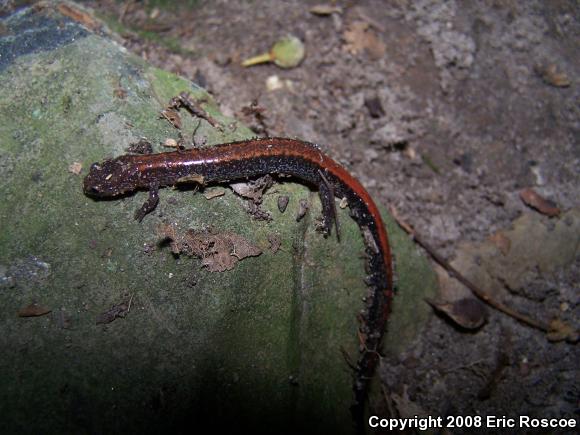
(256, 347)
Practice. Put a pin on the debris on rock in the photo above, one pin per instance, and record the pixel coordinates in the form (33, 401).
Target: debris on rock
(219, 251)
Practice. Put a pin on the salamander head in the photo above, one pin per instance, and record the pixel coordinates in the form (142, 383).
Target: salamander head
(110, 178)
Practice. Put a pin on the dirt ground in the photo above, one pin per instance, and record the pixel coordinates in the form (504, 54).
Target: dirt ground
(445, 111)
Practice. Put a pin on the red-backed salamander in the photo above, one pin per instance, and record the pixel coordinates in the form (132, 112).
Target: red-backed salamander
(258, 157)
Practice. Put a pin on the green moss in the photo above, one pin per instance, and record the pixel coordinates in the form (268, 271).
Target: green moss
(415, 281)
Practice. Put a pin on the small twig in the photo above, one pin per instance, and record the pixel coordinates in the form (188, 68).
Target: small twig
(193, 139)
(459, 277)
(124, 10)
(388, 401)
(195, 109)
(502, 361)
(464, 366)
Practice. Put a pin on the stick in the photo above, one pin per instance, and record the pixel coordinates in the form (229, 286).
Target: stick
(462, 279)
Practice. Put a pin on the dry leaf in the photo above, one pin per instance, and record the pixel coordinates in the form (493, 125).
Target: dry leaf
(120, 93)
(552, 76)
(191, 179)
(468, 312)
(142, 146)
(532, 199)
(172, 116)
(219, 251)
(374, 107)
(536, 248)
(214, 193)
(275, 242)
(170, 143)
(115, 312)
(283, 201)
(253, 190)
(560, 331)
(359, 37)
(302, 209)
(502, 242)
(79, 16)
(273, 83)
(410, 153)
(33, 310)
(325, 10)
(75, 168)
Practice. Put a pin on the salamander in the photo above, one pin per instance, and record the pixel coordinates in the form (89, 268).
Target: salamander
(257, 157)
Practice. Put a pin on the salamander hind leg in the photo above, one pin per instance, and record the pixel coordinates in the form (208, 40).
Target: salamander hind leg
(149, 205)
(326, 192)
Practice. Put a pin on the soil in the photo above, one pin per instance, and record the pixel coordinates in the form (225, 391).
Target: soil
(479, 101)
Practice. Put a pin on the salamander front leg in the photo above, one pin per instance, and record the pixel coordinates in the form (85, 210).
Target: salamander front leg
(149, 205)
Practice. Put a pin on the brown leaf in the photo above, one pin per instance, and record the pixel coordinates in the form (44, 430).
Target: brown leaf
(219, 251)
(324, 10)
(120, 93)
(283, 202)
(374, 106)
(560, 331)
(142, 146)
(191, 179)
(302, 209)
(502, 242)
(359, 37)
(228, 249)
(116, 311)
(172, 116)
(214, 193)
(75, 168)
(552, 76)
(33, 310)
(254, 189)
(468, 312)
(79, 16)
(170, 143)
(532, 199)
(275, 242)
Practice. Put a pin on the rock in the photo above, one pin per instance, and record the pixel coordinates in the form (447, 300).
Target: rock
(192, 345)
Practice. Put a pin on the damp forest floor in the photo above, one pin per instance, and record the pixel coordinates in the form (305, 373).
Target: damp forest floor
(445, 111)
